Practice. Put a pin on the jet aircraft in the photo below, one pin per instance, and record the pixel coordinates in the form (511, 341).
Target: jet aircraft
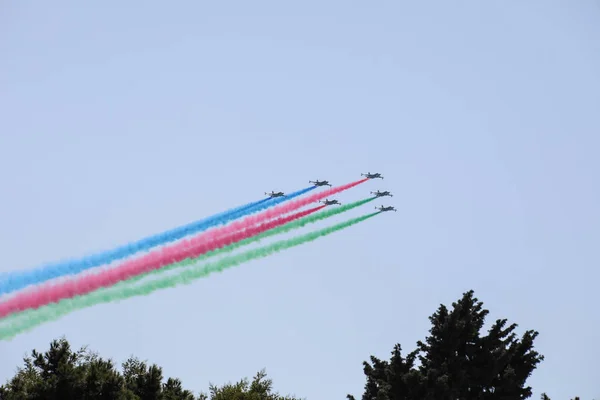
(328, 202)
(372, 176)
(275, 194)
(320, 183)
(384, 209)
(381, 194)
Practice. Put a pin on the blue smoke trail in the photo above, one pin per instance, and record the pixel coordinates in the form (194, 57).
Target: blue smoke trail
(12, 281)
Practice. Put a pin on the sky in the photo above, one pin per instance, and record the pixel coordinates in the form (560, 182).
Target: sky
(120, 120)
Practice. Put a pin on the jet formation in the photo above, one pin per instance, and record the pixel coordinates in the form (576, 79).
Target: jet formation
(328, 202)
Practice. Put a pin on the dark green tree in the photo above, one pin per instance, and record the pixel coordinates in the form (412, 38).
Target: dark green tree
(173, 390)
(63, 374)
(143, 381)
(456, 361)
(259, 389)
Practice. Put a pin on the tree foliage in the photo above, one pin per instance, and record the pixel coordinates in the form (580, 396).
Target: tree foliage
(259, 389)
(63, 374)
(456, 361)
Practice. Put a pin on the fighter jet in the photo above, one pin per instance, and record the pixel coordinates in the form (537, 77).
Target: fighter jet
(273, 194)
(384, 209)
(320, 183)
(328, 202)
(372, 176)
(381, 194)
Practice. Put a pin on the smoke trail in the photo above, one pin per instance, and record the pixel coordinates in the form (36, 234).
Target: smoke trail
(295, 224)
(270, 228)
(54, 311)
(58, 291)
(53, 293)
(20, 279)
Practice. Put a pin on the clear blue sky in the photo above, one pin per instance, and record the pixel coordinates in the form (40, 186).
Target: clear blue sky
(119, 120)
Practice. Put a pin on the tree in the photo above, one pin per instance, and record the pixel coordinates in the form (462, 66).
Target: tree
(259, 389)
(63, 374)
(456, 361)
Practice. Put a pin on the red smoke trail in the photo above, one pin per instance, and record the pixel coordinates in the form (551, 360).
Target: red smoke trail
(54, 293)
(260, 218)
(226, 240)
(50, 293)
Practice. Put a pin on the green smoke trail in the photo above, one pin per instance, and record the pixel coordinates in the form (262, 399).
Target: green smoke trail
(32, 318)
